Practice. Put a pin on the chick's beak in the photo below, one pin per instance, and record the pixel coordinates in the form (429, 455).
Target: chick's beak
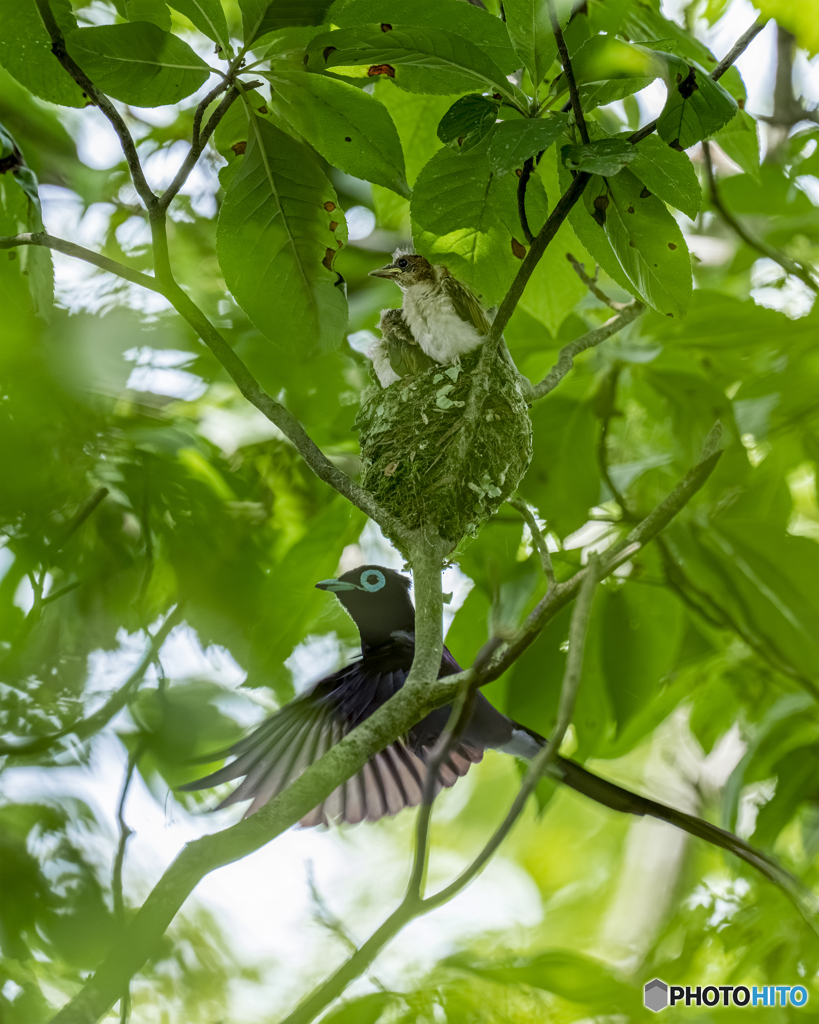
(336, 585)
(389, 272)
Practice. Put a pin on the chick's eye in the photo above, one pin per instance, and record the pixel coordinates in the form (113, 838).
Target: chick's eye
(403, 263)
(372, 580)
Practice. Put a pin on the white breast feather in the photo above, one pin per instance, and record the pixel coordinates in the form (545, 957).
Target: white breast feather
(381, 364)
(437, 328)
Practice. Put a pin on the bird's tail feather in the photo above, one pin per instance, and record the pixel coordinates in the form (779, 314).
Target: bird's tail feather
(623, 800)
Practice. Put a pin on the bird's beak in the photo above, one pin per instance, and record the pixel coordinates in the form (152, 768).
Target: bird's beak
(336, 585)
(389, 272)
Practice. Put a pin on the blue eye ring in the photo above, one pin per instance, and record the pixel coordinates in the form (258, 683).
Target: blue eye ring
(370, 583)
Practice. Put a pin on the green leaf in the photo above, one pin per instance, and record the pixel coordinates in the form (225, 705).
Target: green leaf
(642, 627)
(138, 63)
(603, 156)
(416, 118)
(468, 121)
(349, 128)
(262, 16)
(668, 174)
(208, 17)
(466, 218)
(275, 242)
(530, 30)
(154, 11)
(472, 23)
(738, 140)
(605, 58)
(696, 106)
(465, 64)
(363, 1010)
(25, 51)
(801, 19)
(513, 142)
(645, 238)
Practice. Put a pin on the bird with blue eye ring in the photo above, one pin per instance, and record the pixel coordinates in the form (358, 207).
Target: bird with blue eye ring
(275, 753)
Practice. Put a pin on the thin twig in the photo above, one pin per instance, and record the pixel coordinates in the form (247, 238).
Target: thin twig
(592, 285)
(537, 538)
(788, 265)
(565, 360)
(523, 181)
(100, 100)
(86, 727)
(125, 834)
(566, 63)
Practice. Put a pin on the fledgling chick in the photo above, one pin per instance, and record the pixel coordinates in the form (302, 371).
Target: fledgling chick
(397, 354)
(446, 318)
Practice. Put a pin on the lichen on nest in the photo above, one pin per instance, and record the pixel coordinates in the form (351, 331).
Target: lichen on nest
(409, 439)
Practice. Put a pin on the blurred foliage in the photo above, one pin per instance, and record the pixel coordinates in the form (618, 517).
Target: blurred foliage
(136, 480)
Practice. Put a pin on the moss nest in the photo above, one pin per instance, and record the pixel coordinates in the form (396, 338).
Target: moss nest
(409, 441)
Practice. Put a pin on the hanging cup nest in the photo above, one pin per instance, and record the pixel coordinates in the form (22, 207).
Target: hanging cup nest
(409, 439)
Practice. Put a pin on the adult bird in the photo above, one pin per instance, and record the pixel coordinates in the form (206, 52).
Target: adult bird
(290, 740)
(445, 316)
(396, 354)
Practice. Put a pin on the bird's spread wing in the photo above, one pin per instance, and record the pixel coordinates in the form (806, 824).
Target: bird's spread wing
(292, 739)
(466, 303)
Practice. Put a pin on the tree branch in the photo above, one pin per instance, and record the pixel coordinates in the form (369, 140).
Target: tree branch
(591, 284)
(523, 181)
(568, 353)
(537, 538)
(100, 100)
(569, 73)
(788, 265)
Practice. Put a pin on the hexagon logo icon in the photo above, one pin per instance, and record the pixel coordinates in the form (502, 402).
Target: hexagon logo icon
(655, 995)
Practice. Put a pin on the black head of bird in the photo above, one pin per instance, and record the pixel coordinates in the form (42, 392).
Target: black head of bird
(377, 599)
(407, 270)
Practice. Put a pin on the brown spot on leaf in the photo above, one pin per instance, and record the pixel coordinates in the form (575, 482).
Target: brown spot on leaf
(333, 225)
(328, 258)
(328, 50)
(671, 245)
(518, 171)
(601, 202)
(518, 249)
(239, 148)
(631, 209)
(339, 243)
(644, 193)
(461, 140)
(329, 207)
(631, 243)
(689, 86)
(385, 27)
(496, 96)
(671, 315)
(305, 59)
(262, 110)
(347, 138)
(8, 163)
(741, 104)
(390, 469)
(381, 69)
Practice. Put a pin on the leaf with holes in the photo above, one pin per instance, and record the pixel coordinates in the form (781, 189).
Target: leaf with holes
(696, 106)
(138, 63)
(645, 238)
(513, 142)
(262, 16)
(279, 229)
(468, 121)
(668, 174)
(208, 17)
(602, 156)
(25, 51)
(349, 128)
(463, 64)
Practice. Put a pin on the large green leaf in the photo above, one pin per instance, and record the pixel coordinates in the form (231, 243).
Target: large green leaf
(208, 17)
(645, 238)
(601, 156)
(279, 229)
(668, 174)
(466, 20)
(738, 140)
(696, 106)
(531, 32)
(468, 121)
(349, 128)
(514, 141)
(466, 218)
(155, 11)
(464, 64)
(25, 51)
(138, 63)
(416, 118)
(262, 16)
